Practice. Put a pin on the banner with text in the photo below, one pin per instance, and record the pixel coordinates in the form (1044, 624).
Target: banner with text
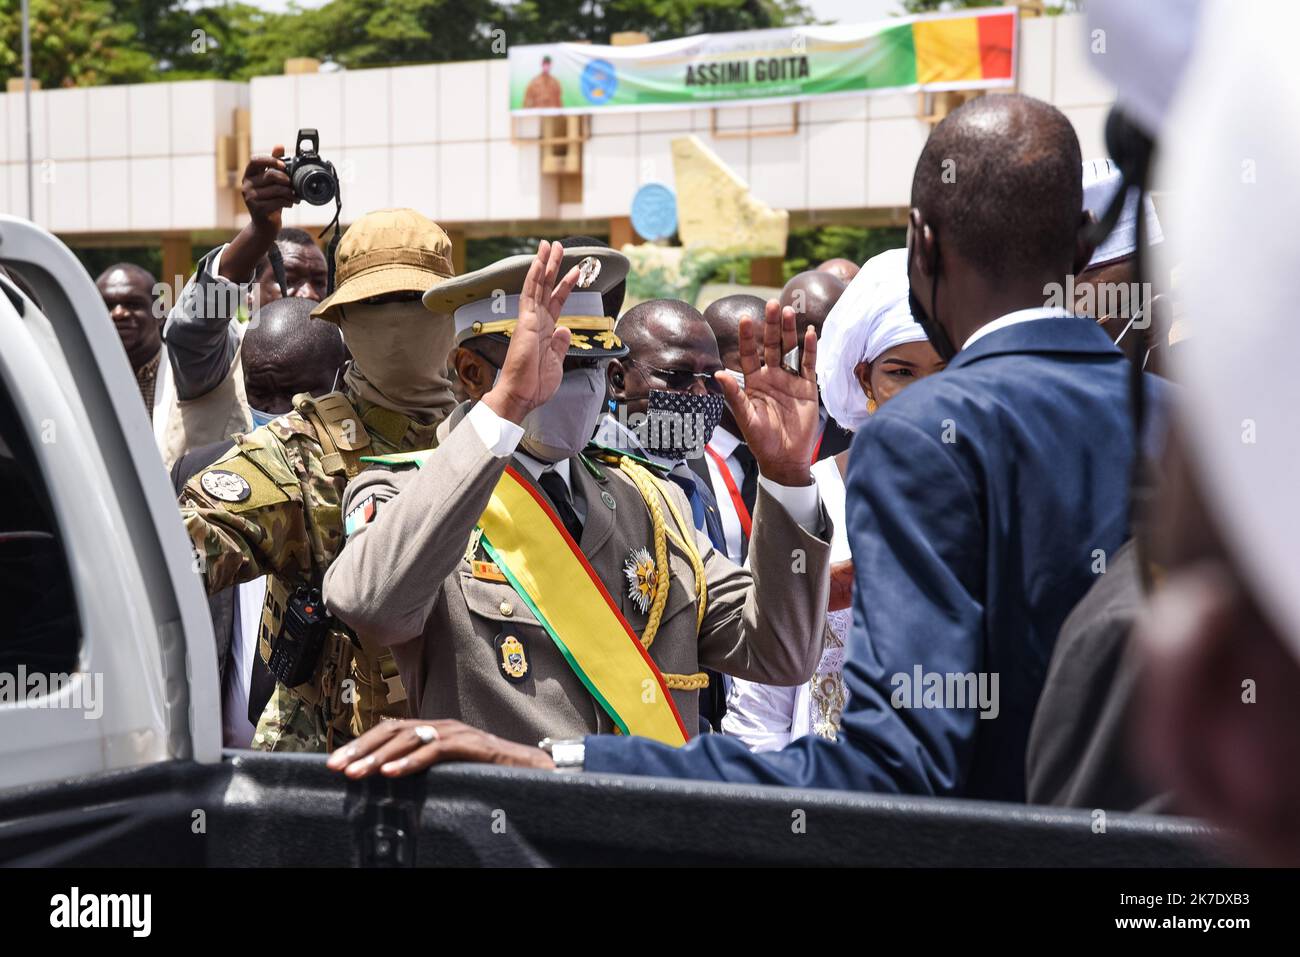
(972, 49)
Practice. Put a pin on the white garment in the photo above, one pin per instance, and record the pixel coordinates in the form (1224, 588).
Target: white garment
(236, 730)
(873, 316)
(164, 397)
(768, 717)
(1101, 183)
(725, 444)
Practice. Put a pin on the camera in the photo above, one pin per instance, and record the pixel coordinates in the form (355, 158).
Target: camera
(314, 180)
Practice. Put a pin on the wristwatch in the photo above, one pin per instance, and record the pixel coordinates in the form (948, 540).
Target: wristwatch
(568, 755)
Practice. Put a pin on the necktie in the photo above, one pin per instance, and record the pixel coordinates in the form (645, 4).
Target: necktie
(749, 471)
(558, 493)
(748, 487)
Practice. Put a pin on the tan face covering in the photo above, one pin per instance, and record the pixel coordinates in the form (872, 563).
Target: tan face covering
(399, 357)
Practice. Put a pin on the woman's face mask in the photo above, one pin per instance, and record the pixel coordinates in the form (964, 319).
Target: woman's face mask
(562, 427)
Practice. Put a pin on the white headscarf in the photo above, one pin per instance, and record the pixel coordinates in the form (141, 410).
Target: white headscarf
(871, 317)
(1101, 181)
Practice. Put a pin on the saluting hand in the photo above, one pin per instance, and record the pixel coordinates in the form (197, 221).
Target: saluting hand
(534, 362)
(777, 409)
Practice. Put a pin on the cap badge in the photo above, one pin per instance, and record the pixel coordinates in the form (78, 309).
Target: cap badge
(588, 270)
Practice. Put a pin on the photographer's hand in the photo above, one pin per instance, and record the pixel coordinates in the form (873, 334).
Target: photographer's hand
(267, 191)
(534, 362)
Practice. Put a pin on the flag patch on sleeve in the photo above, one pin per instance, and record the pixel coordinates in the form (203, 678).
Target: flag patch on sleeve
(361, 514)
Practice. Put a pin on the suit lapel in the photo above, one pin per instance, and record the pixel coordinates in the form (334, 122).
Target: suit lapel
(700, 467)
(599, 524)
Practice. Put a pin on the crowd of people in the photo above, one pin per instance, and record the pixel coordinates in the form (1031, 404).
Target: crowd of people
(878, 534)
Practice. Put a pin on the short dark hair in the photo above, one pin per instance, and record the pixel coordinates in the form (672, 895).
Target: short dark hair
(1000, 180)
(131, 269)
(723, 316)
(288, 236)
(633, 327)
(283, 331)
(293, 236)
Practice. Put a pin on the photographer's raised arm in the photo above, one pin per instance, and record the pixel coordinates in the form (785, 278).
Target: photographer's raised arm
(201, 344)
(267, 193)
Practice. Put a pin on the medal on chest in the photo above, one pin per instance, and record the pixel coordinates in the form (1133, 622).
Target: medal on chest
(642, 578)
(511, 655)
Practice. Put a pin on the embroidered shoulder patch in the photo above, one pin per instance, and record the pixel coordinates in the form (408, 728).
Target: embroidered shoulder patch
(361, 514)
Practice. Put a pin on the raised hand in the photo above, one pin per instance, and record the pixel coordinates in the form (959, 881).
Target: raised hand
(267, 190)
(534, 363)
(267, 193)
(777, 409)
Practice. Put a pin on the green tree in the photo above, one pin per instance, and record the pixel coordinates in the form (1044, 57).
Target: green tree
(811, 246)
(74, 43)
(551, 21)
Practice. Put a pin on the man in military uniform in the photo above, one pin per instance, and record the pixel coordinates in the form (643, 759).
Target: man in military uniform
(271, 506)
(537, 591)
(543, 91)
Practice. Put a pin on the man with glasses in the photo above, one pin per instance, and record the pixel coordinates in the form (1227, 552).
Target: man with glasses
(665, 401)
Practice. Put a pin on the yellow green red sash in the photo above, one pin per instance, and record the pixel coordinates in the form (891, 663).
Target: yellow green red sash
(544, 565)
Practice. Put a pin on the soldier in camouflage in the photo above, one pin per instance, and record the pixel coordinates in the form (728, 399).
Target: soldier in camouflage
(271, 506)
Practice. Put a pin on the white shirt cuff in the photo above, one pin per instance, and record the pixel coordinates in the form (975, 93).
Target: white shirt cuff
(803, 502)
(501, 436)
(214, 270)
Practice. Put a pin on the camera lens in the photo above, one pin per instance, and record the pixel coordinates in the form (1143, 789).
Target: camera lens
(314, 183)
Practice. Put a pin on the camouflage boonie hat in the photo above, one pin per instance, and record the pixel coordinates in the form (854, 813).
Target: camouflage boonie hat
(387, 251)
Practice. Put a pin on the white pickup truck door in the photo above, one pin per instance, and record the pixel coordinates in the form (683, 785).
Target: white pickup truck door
(146, 645)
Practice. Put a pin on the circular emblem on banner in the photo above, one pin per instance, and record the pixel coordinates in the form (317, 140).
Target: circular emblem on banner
(654, 212)
(225, 486)
(599, 81)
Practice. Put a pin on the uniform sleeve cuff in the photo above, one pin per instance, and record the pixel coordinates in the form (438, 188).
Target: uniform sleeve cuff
(501, 436)
(802, 502)
(214, 267)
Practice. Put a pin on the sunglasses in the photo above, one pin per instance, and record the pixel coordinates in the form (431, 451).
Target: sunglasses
(681, 380)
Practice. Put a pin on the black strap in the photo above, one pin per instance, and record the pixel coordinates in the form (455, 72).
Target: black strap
(277, 267)
(334, 240)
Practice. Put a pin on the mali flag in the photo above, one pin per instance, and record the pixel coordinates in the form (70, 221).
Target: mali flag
(944, 51)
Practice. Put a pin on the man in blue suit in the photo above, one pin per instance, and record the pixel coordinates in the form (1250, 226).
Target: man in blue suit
(982, 502)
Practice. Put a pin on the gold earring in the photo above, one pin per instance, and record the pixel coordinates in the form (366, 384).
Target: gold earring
(871, 404)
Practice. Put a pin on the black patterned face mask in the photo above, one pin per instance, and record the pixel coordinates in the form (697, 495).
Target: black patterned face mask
(680, 424)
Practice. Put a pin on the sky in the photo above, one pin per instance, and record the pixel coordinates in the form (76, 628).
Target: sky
(833, 11)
